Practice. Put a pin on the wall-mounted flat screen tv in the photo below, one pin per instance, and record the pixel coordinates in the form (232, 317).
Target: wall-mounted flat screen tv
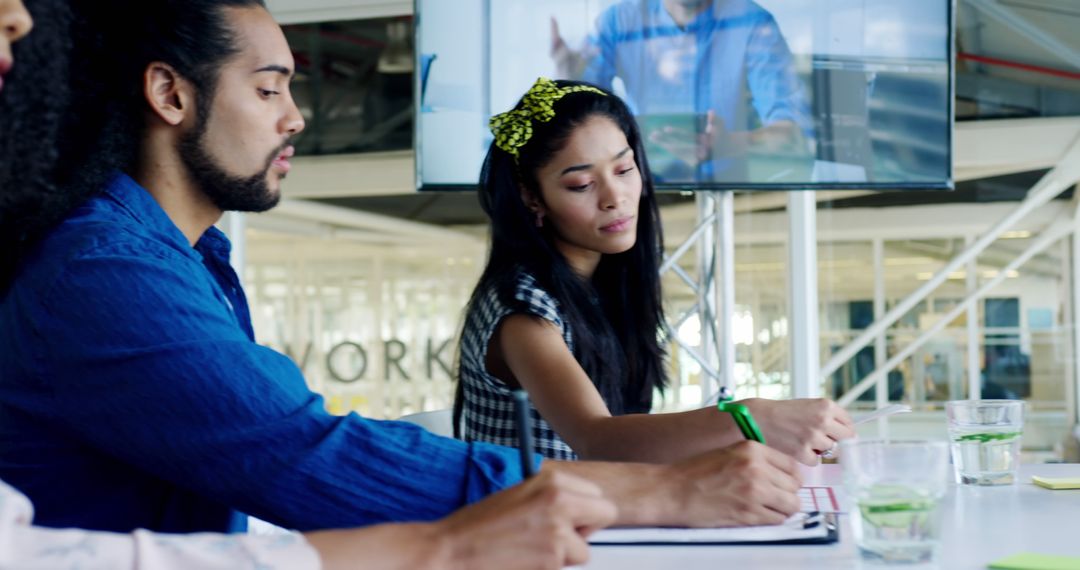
(729, 94)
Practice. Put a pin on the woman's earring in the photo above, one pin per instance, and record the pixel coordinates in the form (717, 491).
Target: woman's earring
(539, 219)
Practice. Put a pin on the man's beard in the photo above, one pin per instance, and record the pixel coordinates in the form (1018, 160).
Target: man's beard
(229, 193)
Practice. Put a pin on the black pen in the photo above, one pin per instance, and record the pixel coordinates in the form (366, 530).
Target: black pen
(523, 422)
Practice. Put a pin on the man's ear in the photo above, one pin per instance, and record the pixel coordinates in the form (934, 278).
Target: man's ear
(170, 96)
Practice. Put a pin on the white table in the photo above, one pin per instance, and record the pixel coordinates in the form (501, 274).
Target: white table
(980, 525)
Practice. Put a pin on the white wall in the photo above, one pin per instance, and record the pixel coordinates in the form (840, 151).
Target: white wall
(304, 11)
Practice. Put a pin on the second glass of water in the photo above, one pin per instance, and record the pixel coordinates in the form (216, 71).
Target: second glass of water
(985, 437)
(896, 487)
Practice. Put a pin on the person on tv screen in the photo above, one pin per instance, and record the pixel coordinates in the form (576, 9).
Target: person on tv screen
(712, 83)
(569, 305)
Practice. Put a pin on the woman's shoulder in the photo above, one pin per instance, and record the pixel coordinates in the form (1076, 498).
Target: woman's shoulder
(518, 292)
(533, 298)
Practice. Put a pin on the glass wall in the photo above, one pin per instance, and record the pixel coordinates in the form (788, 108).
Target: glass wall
(373, 319)
(375, 327)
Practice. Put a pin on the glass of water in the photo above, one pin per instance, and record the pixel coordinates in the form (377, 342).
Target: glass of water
(985, 437)
(896, 486)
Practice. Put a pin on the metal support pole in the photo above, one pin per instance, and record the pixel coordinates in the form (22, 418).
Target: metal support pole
(974, 378)
(1073, 390)
(881, 390)
(234, 225)
(805, 337)
(756, 357)
(707, 247)
(725, 228)
(714, 238)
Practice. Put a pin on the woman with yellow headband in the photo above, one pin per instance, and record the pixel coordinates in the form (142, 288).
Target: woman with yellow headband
(569, 306)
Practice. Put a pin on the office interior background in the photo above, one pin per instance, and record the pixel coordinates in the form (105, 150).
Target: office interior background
(363, 280)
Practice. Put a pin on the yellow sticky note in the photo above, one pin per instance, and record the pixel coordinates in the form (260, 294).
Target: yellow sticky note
(1056, 483)
(1030, 561)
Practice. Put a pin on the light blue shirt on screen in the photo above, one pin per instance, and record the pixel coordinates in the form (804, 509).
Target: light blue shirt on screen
(133, 395)
(731, 59)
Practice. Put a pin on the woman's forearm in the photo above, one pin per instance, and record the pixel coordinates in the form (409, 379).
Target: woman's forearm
(656, 438)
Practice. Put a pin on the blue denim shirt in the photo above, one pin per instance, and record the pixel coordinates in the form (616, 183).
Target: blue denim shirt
(133, 395)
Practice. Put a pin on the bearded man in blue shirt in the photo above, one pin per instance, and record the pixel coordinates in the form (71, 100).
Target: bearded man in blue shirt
(133, 393)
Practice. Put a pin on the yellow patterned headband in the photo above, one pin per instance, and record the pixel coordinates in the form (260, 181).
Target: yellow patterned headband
(513, 128)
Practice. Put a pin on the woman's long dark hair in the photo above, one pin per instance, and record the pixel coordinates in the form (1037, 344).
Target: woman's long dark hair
(615, 318)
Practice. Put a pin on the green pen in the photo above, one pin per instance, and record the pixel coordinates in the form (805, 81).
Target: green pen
(741, 415)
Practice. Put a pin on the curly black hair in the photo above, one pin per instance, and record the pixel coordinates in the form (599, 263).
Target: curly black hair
(73, 108)
(55, 149)
(34, 104)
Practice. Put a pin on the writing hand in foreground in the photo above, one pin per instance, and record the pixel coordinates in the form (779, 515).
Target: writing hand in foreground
(744, 484)
(542, 523)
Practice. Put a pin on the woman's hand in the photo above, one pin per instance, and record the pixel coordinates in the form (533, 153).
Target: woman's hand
(803, 428)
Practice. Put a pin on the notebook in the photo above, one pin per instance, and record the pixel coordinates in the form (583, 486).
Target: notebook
(802, 528)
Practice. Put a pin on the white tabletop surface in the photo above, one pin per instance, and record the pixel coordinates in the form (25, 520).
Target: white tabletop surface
(979, 525)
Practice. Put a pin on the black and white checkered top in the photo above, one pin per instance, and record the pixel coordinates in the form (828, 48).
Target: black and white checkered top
(488, 408)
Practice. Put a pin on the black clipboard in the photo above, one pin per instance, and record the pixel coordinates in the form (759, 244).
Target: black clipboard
(826, 531)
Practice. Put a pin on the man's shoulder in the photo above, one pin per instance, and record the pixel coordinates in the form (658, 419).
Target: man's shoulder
(94, 232)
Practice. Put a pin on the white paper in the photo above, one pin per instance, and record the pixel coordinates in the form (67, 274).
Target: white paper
(792, 529)
(823, 499)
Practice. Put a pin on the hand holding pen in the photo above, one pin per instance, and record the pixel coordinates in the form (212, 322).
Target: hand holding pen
(803, 428)
(741, 414)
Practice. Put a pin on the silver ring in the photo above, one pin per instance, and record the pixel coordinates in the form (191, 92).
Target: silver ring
(829, 453)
